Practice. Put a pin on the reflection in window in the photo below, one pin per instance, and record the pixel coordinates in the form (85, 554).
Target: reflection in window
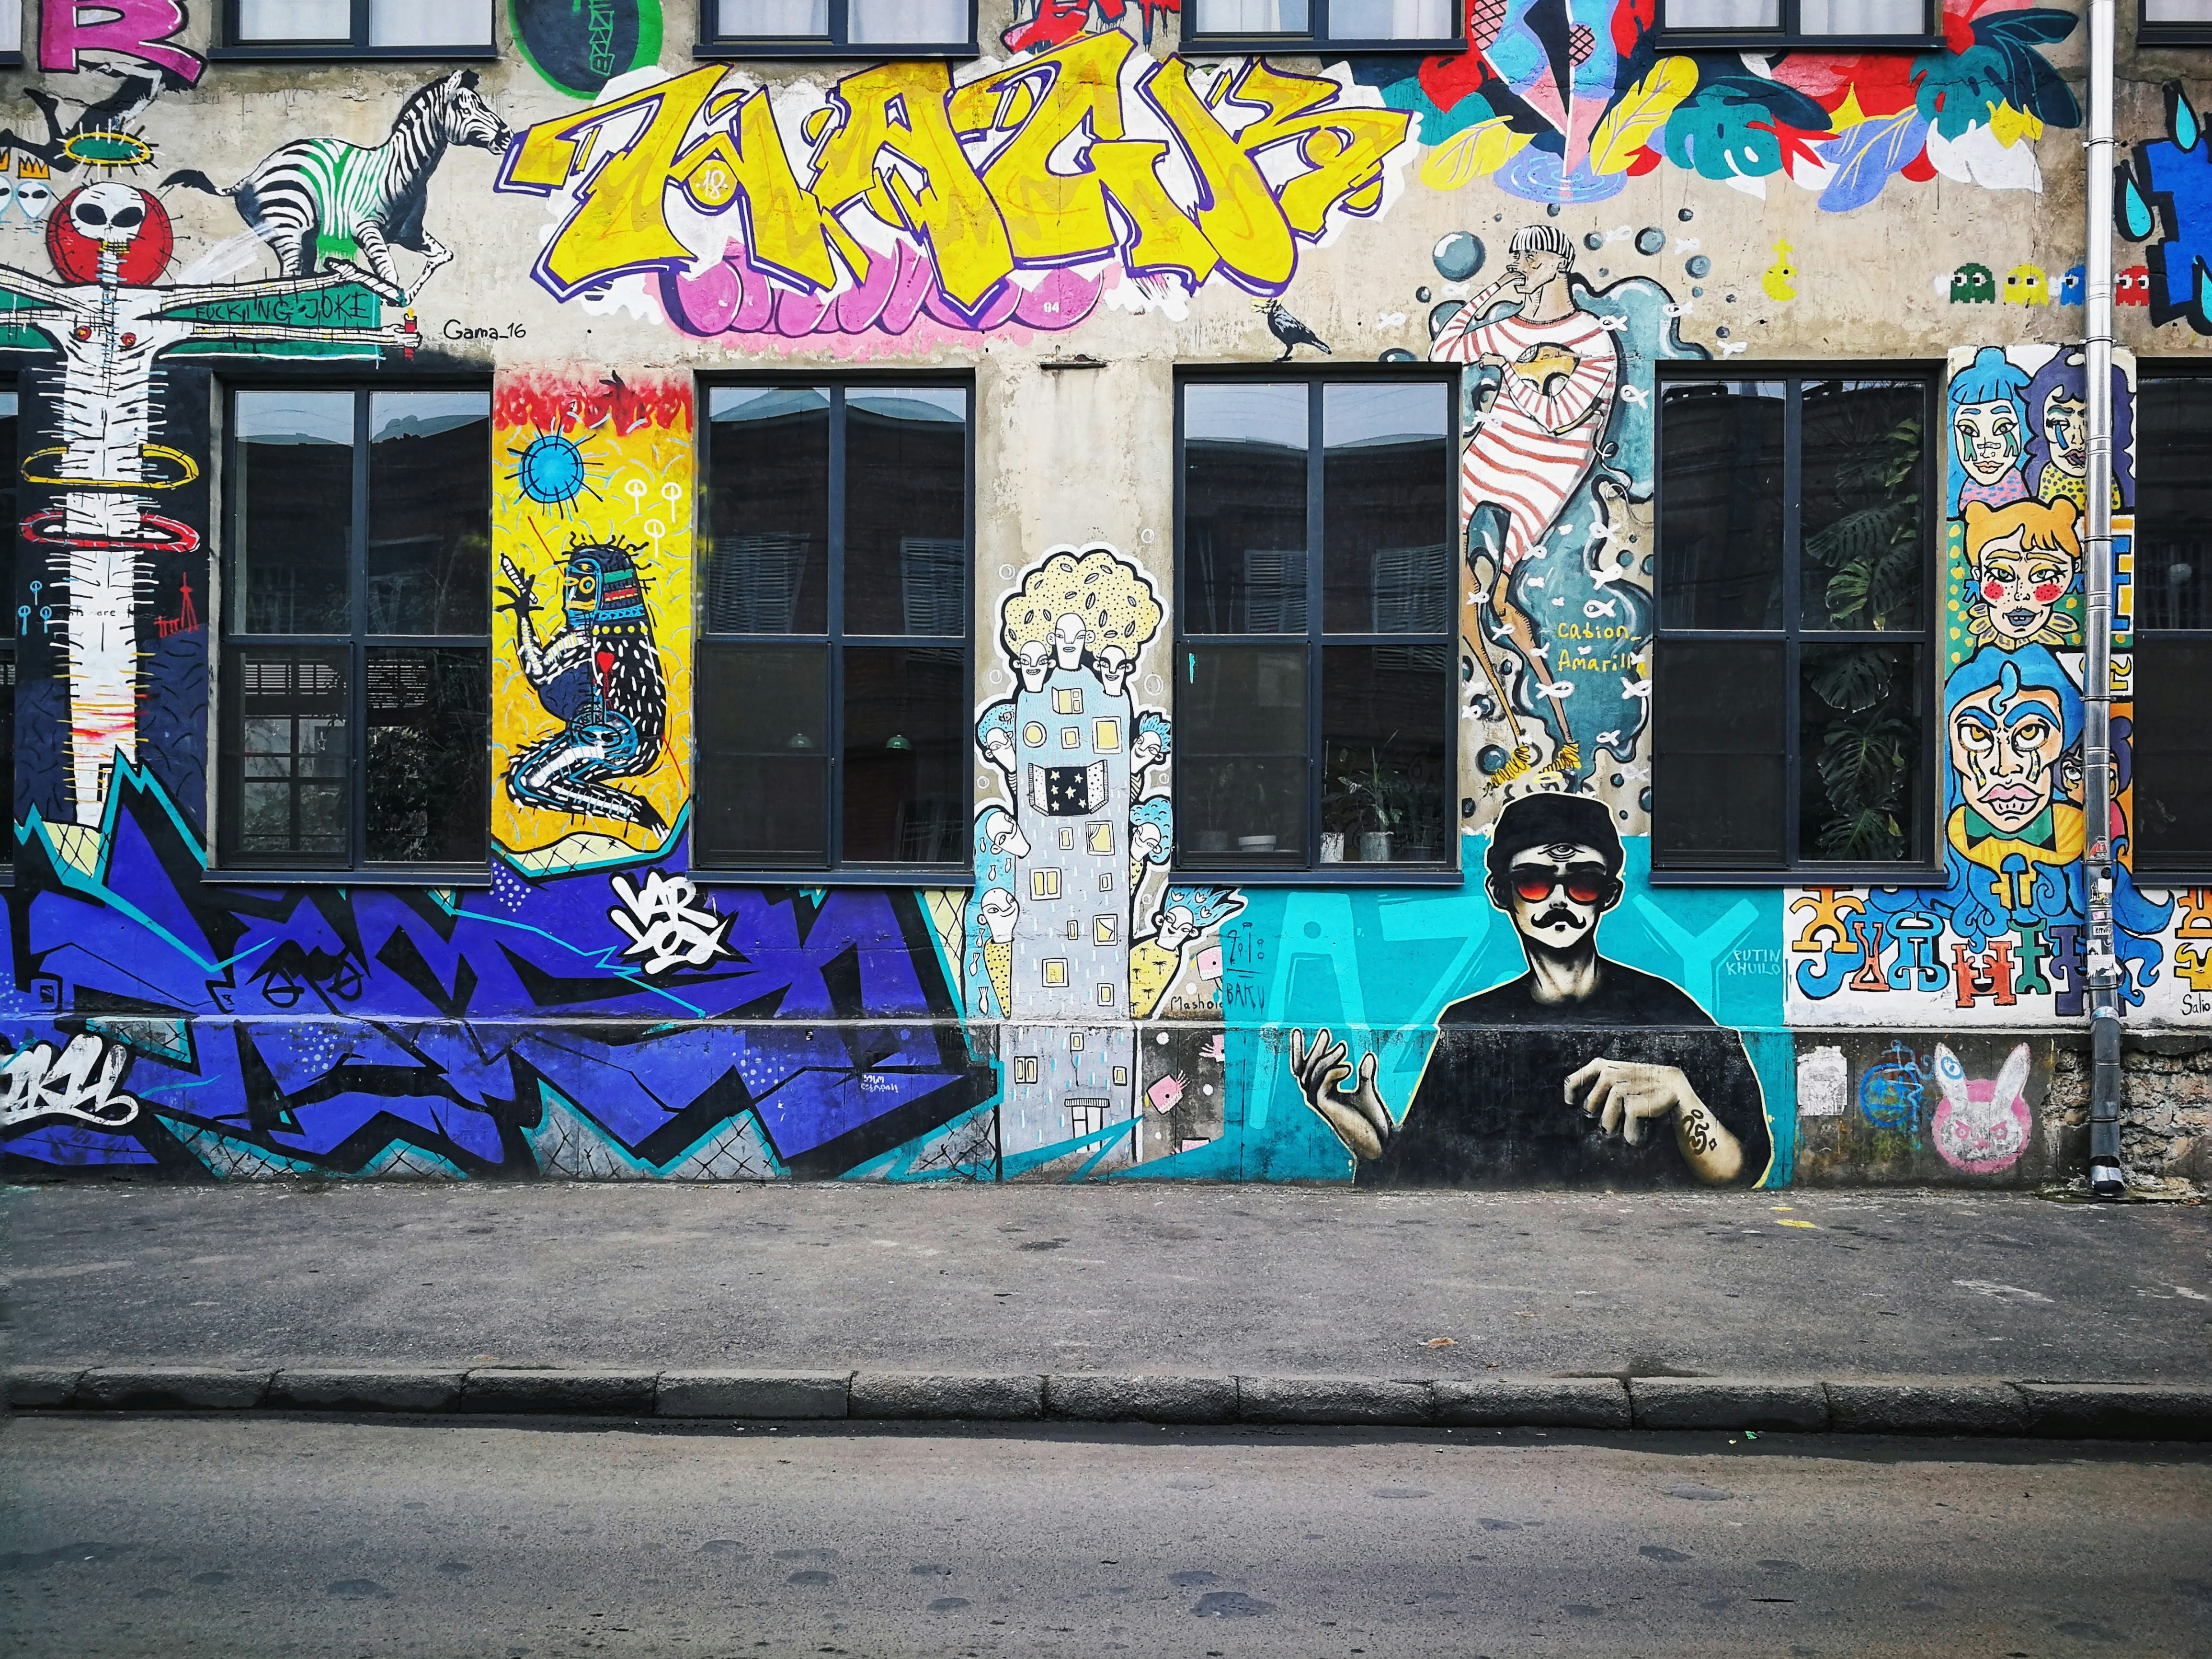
(2167, 739)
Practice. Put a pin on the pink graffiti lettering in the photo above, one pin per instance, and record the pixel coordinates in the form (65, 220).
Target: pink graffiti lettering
(130, 28)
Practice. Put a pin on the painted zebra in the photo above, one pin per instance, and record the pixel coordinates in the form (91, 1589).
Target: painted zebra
(314, 189)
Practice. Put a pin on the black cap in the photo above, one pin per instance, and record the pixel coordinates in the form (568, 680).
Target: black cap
(1542, 820)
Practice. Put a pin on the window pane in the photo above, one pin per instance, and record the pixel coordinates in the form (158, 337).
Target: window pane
(1860, 792)
(1720, 505)
(763, 788)
(906, 497)
(1863, 472)
(429, 773)
(768, 510)
(1724, 13)
(295, 20)
(1717, 767)
(296, 494)
(2173, 504)
(1862, 16)
(2173, 754)
(430, 512)
(1241, 764)
(906, 762)
(1389, 20)
(9, 462)
(774, 17)
(1244, 508)
(924, 22)
(429, 23)
(1385, 746)
(284, 764)
(1251, 17)
(2178, 11)
(1387, 563)
(7, 734)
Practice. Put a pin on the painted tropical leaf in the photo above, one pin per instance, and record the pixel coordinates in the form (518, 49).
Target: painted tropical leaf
(1481, 149)
(2031, 85)
(1641, 111)
(1868, 156)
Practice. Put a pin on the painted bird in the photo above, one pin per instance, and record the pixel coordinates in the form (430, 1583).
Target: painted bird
(1289, 330)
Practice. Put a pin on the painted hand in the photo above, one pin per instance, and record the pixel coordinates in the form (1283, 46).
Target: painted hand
(522, 596)
(1360, 1117)
(1626, 1094)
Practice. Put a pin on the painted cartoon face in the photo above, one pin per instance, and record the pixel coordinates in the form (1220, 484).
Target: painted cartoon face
(2066, 429)
(1988, 439)
(1000, 913)
(1113, 666)
(1972, 285)
(1034, 661)
(1556, 894)
(2132, 286)
(110, 227)
(580, 589)
(35, 197)
(999, 745)
(2020, 589)
(2026, 285)
(1003, 834)
(1069, 636)
(1536, 267)
(2005, 750)
(1178, 928)
(1147, 843)
(1146, 752)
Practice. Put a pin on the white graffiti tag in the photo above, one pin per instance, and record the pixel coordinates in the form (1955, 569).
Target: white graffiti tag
(667, 924)
(80, 1083)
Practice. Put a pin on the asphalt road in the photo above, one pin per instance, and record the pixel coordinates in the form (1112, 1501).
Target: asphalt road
(499, 1540)
(1252, 1280)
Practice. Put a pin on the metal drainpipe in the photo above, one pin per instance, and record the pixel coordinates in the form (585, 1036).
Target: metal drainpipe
(2106, 1178)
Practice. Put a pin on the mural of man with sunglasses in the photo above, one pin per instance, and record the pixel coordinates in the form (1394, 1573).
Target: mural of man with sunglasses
(1581, 1070)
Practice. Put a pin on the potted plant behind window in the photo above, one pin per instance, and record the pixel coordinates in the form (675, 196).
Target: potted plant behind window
(1383, 796)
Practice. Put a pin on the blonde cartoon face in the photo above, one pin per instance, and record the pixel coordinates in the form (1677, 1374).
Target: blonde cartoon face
(2020, 588)
(1000, 913)
(1989, 439)
(1069, 636)
(1112, 665)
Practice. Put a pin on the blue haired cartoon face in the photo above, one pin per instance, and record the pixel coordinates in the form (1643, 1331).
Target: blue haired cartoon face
(2006, 739)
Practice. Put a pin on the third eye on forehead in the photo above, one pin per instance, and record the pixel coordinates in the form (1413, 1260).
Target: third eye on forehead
(1559, 852)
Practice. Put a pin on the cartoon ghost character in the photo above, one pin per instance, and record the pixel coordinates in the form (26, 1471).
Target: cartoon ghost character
(1981, 1126)
(2026, 285)
(1777, 277)
(1972, 285)
(2073, 286)
(2132, 287)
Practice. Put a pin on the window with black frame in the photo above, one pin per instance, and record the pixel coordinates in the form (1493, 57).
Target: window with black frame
(356, 660)
(2170, 745)
(1316, 657)
(1812, 25)
(357, 28)
(2174, 23)
(8, 453)
(833, 688)
(1794, 660)
(772, 28)
(1339, 25)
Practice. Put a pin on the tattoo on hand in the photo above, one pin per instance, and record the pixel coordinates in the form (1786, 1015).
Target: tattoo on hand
(1698, 1133)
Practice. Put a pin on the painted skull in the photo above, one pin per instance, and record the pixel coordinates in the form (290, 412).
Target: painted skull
(124, 224)
(35, 197)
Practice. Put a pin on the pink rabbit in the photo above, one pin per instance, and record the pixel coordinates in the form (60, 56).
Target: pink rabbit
(1981, 1128)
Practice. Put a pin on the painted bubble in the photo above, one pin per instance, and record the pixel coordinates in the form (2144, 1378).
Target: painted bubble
(1650, 239)
(1459, 255)
(1593, 241)
(1491, 760)
(1697, 293)
(1397, 355)
(1443, 314)
(1698, 265)
(1686, 216)
(1423, 295)
(1721, 332)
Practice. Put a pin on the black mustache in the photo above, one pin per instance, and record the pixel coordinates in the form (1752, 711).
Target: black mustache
(1557, 912)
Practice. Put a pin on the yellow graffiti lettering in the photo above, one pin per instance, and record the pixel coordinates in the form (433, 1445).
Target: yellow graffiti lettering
(1237, 212)
(896, 122)
(1344, 148)
(785, 227)
(619, 223)
(1050, 217)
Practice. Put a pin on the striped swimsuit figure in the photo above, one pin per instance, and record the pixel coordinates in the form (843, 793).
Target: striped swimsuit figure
(1541, 433)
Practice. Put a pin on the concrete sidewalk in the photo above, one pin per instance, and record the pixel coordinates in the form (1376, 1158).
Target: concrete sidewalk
(1224, 1282)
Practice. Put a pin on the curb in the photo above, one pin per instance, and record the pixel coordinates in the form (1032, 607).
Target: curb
(1850, 1405)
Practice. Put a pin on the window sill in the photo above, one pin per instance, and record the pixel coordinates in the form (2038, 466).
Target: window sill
(2174, 34)
(2162, 881)
(1280, 46)
(11, 60)
(897, 875)
(879, 52)
(1885, 875)
(1822, 44)
(1352, 874)
(472, 875)
(320, 51)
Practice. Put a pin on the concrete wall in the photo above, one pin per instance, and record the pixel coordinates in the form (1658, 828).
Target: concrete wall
(593, 1011)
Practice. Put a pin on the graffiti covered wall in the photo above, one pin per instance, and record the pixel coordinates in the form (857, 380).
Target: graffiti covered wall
(582, 231)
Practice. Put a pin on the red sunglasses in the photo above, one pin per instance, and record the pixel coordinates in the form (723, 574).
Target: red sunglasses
(1586, 884)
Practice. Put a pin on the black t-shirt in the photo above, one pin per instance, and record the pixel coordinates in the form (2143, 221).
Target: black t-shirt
(1491, 1107)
